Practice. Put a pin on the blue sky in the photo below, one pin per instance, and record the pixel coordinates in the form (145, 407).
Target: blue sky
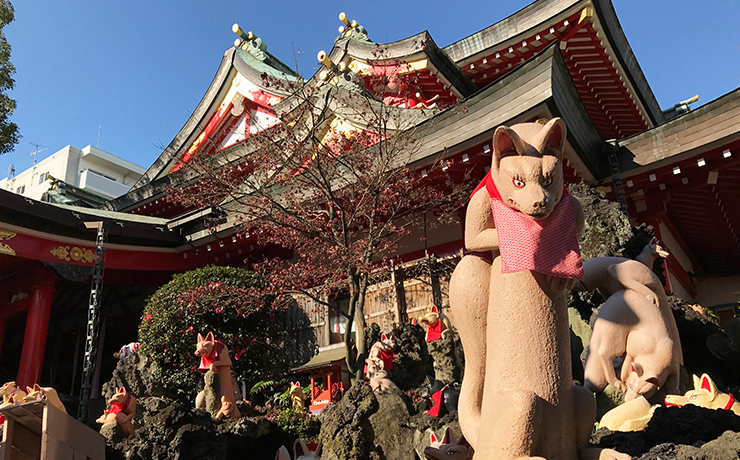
(136, 69)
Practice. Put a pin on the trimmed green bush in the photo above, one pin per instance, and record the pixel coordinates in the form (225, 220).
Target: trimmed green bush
(222, 300)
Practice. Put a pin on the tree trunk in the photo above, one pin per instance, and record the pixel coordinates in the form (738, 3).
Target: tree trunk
(359, 321)
(356, 363)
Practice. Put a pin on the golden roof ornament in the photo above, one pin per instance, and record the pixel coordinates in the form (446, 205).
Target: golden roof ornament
(339, 73)
(250, 43)
(328, 65)
(351, 29)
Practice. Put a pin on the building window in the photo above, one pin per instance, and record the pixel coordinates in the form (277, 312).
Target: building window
(20, 190)
(43, 178)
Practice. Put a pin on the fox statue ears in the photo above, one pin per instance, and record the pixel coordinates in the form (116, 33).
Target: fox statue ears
(434, 309)
(638, 369)
(446, 439)
(551, 138)
(300, 449)
(385, 338)
(208, 338)
(705, 383)
(35, 387)
(464, 442)
(282, 454)
(121, 390)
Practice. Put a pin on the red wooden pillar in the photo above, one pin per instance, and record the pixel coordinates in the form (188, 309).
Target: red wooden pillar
(37, 325)
(312, 393)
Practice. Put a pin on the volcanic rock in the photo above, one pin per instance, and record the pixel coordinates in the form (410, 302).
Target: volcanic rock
(346, 432)
(676, 426)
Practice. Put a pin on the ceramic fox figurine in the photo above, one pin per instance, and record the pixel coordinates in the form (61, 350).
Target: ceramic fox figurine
(632, 415)
(381, 353)
(379, 363)
(214, 357)
(297, 396)
(36, 393)
(438, 328)
(227, 409)
(9, 389)
(446, 449)
(127, 350)
(518, 399)
(705, 394)
(122, 411)
(378, 378)
(7, 401)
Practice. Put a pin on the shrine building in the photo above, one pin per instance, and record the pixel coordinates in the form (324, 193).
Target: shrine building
(676, 170)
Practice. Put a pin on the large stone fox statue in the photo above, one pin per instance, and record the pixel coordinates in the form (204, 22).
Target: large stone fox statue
(518, 399)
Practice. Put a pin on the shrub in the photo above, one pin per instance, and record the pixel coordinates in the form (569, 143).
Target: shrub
(299, 422)
(222, 300)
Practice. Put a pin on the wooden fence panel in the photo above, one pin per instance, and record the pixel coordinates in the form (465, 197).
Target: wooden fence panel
(380, 306)
(419, 296)
(444, 285)
(306, 323)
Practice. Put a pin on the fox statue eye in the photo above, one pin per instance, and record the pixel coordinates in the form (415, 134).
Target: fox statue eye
(547, 181)
(518, 183)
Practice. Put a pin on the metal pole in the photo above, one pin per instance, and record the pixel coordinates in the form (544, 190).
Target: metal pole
(93, 326)
(611, 154)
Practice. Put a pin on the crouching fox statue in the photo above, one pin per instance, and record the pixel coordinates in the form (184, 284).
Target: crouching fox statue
(518, 399)
(122, 411)
(635, 323)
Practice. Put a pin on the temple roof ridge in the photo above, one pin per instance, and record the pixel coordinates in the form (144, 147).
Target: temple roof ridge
(548, 18)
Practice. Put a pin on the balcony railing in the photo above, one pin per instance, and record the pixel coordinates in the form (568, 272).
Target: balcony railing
(90, 180)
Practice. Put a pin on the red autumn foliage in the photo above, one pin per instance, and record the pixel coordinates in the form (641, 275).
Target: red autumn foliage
(334, 183)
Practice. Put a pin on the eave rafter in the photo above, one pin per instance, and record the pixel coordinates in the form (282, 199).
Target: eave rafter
(699, 194)
(430, 85)
(600, 83)
(415, 63)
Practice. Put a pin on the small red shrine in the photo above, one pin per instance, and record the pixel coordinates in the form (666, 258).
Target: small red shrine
(329, 376)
